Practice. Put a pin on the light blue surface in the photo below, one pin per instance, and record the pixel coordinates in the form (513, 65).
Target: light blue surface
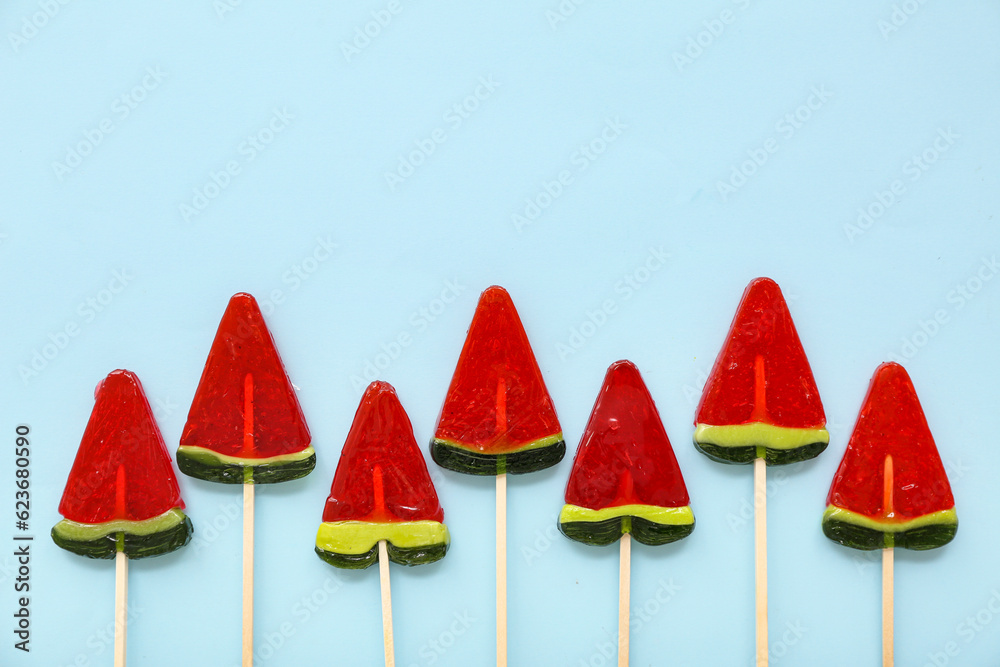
(622, 144)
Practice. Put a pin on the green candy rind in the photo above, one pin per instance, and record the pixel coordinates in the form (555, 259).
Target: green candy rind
(204, 465)
(772, 457)
(868, 539)
(413, 556)
(609, 531)
(471, 462)
(135, 545)
(354, 544)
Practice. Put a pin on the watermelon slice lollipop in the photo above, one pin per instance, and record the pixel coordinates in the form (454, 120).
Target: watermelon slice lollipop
(382, 503)
(121, 499)
(381, 491)
(122, 494)
(760, 400)
(497, 416)
(625, 481)
(245, 424)
(625, 478)
(891, 489)
(760, 405)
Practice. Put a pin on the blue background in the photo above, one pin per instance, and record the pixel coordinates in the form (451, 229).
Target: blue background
(210, 148)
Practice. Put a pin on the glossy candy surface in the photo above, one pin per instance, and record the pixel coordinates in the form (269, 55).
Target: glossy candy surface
(625, 477)
(891, 489)
(381, 490)
(245, 423)
(497, 416)
(760, 400)
(122, 492)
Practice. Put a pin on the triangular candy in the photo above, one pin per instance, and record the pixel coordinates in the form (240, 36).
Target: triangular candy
(625, 478)
(761, 401)
(381, 491)
(245, 424)
(498, 416)
(891, 489)
(122, 493)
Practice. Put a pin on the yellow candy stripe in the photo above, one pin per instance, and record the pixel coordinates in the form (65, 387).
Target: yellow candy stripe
(940, 517)
(537, 444)
(759, 433)
(667, 516)
(358, 537)
(207, 455)
(86, 532)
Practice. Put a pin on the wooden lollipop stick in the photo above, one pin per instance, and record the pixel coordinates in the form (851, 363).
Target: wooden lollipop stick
(887, 573)
(760, 555)
(887, 624)
(248, 523)
(624, 584)
(502, 570)
(501, 421)
(248, 494)
(121, 606)
(383, 575)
